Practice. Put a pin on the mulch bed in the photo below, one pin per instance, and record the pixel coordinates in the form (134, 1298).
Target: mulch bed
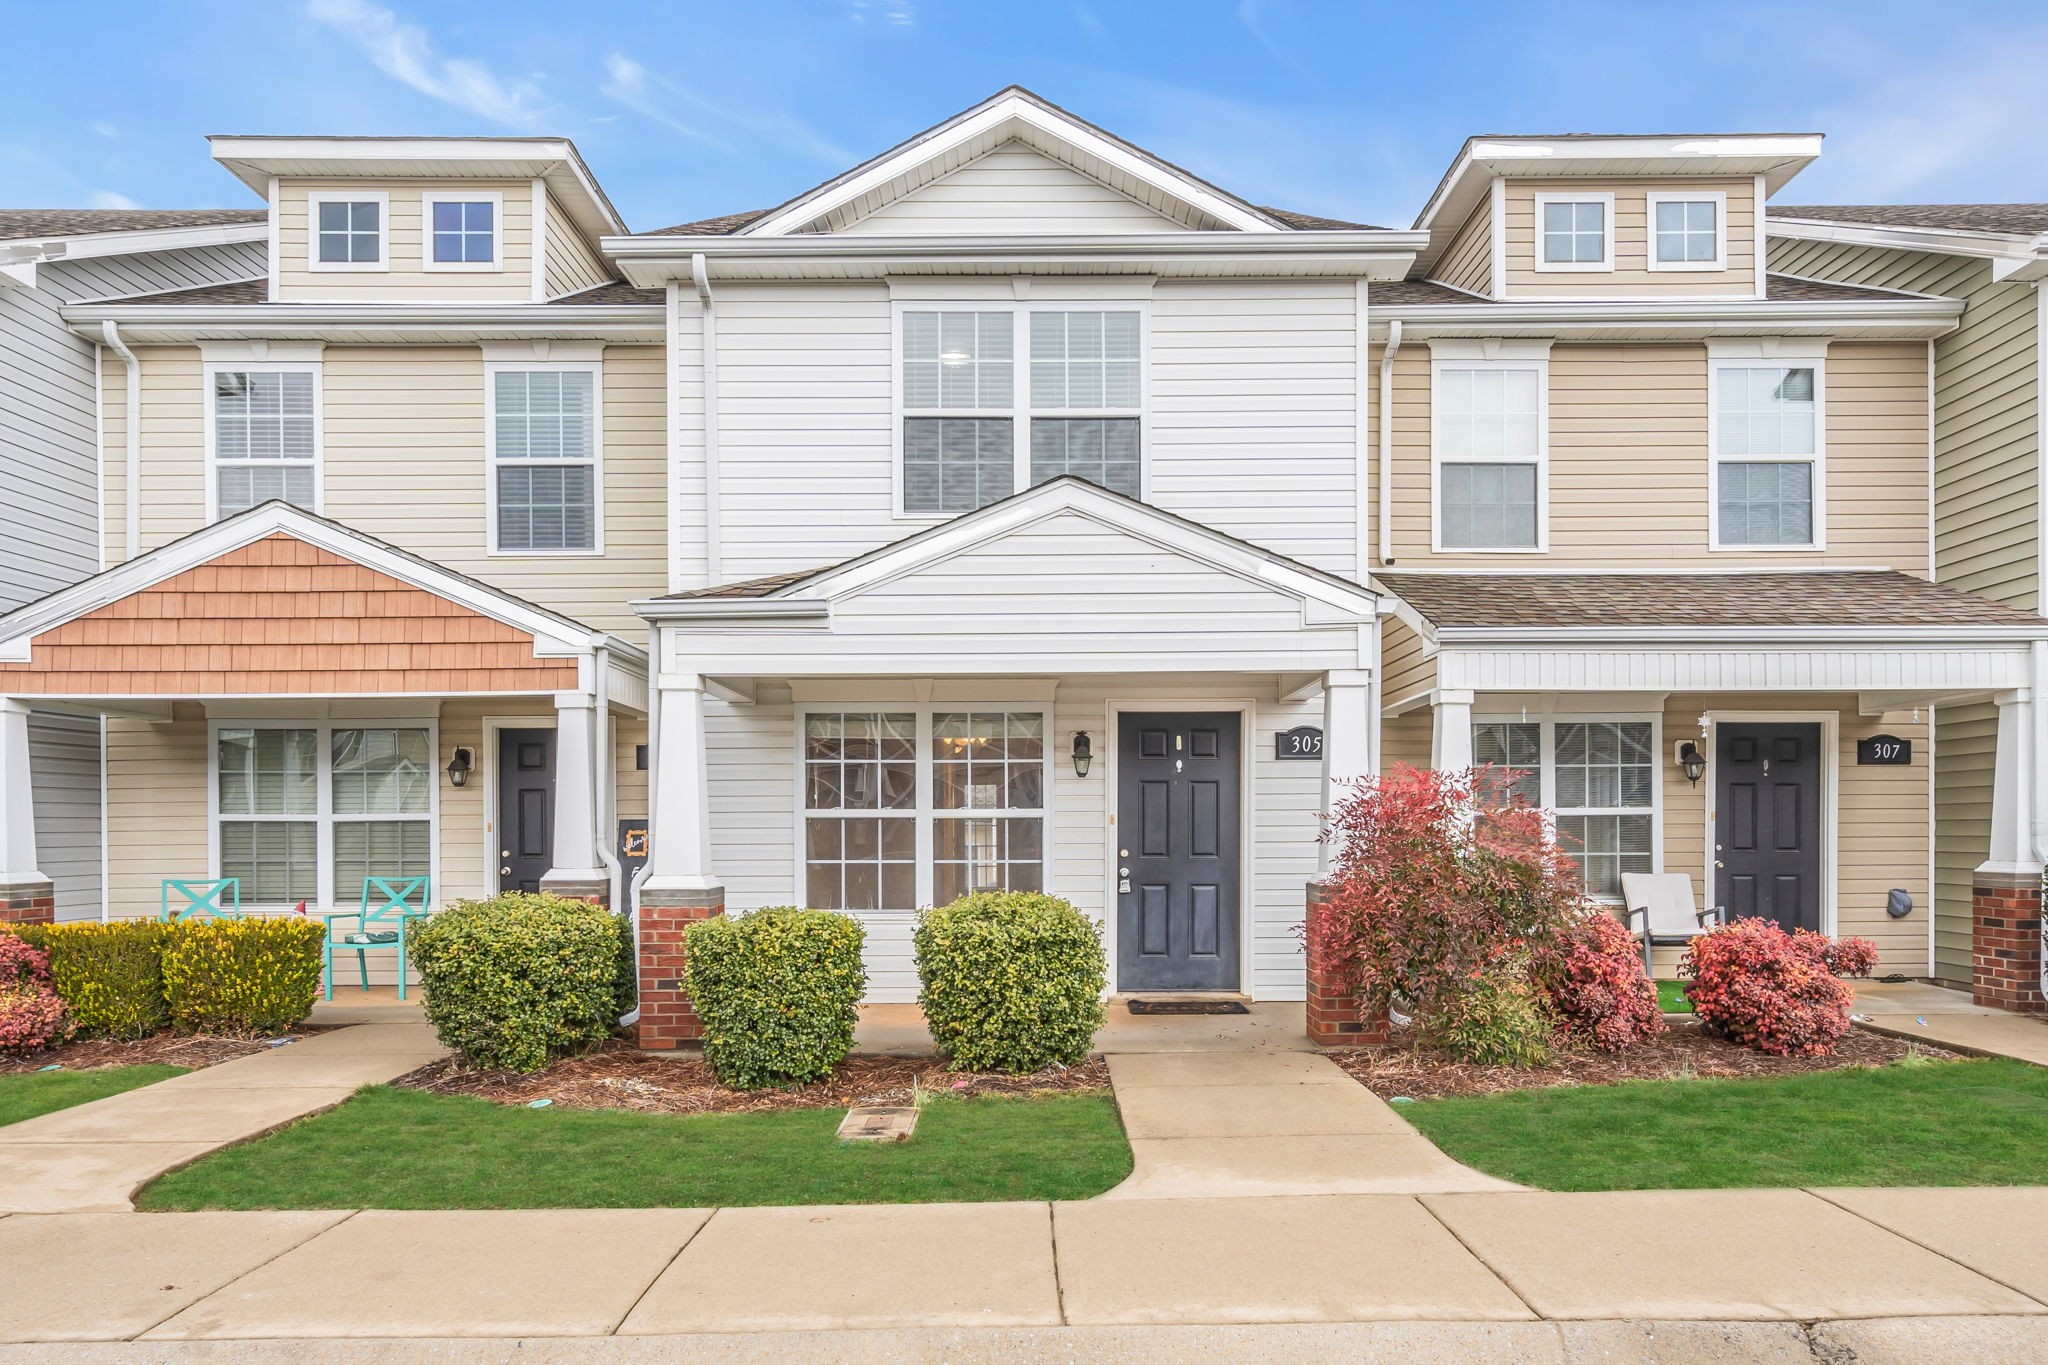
(620, 1076)
(1683, 1051)
(164, 1049)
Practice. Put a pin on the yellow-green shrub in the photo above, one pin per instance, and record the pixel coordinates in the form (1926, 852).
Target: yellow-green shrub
(1010, 980)
(778, 992)
(515, 979)
(110, 975)
(242, 975)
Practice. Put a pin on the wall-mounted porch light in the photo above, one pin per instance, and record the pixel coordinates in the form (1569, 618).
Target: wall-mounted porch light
(1084, 753)
(1692, 760)
(459, 767)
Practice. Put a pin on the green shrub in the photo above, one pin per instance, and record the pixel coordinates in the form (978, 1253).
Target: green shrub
(778, 992)
(1500, 1018)
(254, 975)
(111, 975)
(513, 980)
(1010, 980)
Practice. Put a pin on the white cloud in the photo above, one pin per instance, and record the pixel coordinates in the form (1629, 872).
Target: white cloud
(104, 128)
(110, 199)
(405, 53)
(656, 97)
(626, 81)
(897, 13)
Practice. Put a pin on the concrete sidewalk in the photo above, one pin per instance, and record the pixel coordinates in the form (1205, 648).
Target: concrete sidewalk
(1511, 1261)
(1950, 1019)
(93, 1157)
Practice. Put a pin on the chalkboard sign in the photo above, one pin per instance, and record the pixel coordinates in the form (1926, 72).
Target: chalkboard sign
(1884, 749)
(1303, 741)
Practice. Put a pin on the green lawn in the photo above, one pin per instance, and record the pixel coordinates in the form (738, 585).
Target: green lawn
(28, 1094)
(1671, 997)
(1912, 1123)
(401, 1149)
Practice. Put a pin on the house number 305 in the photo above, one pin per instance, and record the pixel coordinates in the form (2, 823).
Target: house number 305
(1303, 741)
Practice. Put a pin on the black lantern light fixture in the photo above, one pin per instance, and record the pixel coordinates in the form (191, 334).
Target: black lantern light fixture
(1692, 760)
(1084, 752)
(459, 767)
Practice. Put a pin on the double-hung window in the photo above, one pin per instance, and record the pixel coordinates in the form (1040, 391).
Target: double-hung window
(545, 453)
(1489, 449)
(909, 806)
(263, 436)
(350, 229)
(1597, 778)
(977, 425)
(1687, 230)
(1575, 232)
(462, 229)
(306, 812)
(1768, 439)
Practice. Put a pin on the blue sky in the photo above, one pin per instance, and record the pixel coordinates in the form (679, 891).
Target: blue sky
(1348, 109)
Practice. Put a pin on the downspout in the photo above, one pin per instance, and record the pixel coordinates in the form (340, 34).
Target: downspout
(1387, 440)
(2040, 757)
(602, 760)
(632, 1016)
(707, 325)
(132, 438)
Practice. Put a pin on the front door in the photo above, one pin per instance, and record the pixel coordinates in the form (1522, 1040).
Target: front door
(1176, 839)
(1767, 823)
(526, 808)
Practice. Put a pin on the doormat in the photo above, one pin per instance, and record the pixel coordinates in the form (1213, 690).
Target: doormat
(1188, 1007)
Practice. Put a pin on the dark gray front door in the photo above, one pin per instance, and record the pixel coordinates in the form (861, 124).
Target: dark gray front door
(1177, 844)
(1767, 823)
(526, 808)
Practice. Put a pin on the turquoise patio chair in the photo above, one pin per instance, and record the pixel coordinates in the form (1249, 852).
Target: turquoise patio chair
(399, 901)
(199, 899)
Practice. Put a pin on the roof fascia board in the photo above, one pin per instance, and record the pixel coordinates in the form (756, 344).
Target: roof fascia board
(154, 322)
(730, 609)
(1008, 107)
(1906, 318)
(1627, 637)
(2011, 247)
(654, 247)
(84, 245)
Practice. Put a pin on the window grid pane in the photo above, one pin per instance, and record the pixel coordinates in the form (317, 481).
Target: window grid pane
(1766, 504)
(1514, 746)
(275, 860)
(1575, 233)
(550, 507)
(268, 772)
(1102, 450)
(1685, 230)
(1087, 361)
(545, 414)
(348, 232)
(379, 848)
(263, 438)
(381, 772)
(957, 360)
(956, 464)
(462, 232)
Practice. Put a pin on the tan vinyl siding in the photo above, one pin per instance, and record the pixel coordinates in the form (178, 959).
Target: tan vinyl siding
(1965, 751)
(1405, 671)
(1013, 189)
(173, 447)
(405, 277)
(156, 808)
(571, 265)
(1406, 738)
(1631, 276)
(1629, 471)
(1467, 263)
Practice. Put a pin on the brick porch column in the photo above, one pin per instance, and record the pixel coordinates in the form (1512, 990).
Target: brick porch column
(2005, 942)
(666, 1019)
(1335, 1018)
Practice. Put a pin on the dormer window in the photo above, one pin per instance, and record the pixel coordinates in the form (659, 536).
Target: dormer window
(1687, 230)
(462, 230)
(1574, 232)
(350, 229)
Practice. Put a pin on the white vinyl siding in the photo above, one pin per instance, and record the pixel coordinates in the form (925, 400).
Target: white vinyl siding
(1013, 189)
(64, 774)
(1767, 463)
(265, 441)
(544, 444)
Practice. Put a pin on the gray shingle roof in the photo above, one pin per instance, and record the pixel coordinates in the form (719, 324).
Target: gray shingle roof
(2021, 219)
(618, 291)
(18, 224)
(752, 587)
(241, 291)
(1761, 598)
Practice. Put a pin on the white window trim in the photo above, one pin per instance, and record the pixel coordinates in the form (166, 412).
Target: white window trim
(315, 198)
(208, 369)
(1718, 198)
(323, 816)
(925, 813)
(1605, 198)
(595, 369)
(1547, 722)
(1796, 357)
(1020, 411)
(495, 198)
(1443, 357)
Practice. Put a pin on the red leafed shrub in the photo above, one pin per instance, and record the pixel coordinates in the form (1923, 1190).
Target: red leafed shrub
(1841, 956)
(1757, 985)
(1598, 988)
(31, 1015)
(1436, 880)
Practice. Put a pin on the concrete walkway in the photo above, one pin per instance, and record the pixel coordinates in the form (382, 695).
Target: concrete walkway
(1946, 1018)
(93, 1157)
(1785, 1256)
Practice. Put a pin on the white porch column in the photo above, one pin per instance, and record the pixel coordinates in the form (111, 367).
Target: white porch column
(576, 871)
(1350, 738)
(1450, 739)
(679, 844)
(2012, 790)
(25, 893)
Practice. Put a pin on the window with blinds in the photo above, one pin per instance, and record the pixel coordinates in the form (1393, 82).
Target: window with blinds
(265, 439)
(544, 457)
(1767, 443)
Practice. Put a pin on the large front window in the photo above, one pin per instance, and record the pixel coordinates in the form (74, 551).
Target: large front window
(306, 812)
(911, 806)
(266, 438)
(960, 384)
(1598, 778)
(544, 459)
(1489, 443)
(1767, 443)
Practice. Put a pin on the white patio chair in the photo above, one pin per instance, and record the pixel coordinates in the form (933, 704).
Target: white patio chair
(1669, 916)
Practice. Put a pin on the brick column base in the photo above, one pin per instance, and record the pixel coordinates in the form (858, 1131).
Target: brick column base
(1335, 1017)
(2005, 945)
(597, 892)
(28, 903)
(666, 1019)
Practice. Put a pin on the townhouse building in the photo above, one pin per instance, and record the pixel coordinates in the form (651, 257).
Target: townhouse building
(1019, 510)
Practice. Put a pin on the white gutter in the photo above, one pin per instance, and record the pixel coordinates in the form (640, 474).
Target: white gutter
(707, 332)
(1232, 242)
(1387, 442)
(132, 435)
(731, 608)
